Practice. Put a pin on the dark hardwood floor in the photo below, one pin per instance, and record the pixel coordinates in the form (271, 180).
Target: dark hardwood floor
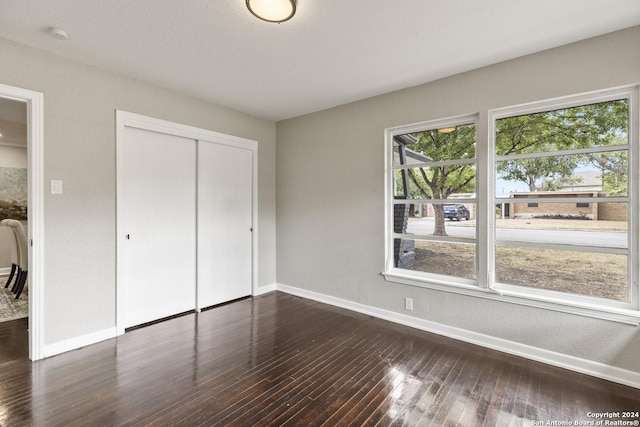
(282, 360)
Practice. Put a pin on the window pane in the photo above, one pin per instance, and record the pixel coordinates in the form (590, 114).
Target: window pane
(401, 214)
(398, 185)
(453, 219)
(396, 156)
(594, 174)
(445, 258)
(599, 224)
(444, 182)
(447, 143)
(582, 273)
(595, 125)
(450, 259)
(408, 156)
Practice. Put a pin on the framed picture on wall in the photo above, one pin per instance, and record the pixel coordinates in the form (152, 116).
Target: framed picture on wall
(13, 193)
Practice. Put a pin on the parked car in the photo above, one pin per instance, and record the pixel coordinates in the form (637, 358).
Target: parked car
(456, 212)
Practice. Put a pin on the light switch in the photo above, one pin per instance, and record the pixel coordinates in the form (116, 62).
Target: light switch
(56, 186)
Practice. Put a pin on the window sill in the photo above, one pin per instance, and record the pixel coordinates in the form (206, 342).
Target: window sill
(621, 315)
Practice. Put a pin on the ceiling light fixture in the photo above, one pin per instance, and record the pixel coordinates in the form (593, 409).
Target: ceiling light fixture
(276, 11)
(446, 130)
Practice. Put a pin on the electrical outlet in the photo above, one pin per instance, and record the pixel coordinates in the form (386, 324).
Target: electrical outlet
(408, 303)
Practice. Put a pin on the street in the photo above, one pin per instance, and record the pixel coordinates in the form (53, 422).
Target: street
(610, 239)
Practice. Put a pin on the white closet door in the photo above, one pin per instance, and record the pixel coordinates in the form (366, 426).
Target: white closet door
(160, 220)
(224, 223)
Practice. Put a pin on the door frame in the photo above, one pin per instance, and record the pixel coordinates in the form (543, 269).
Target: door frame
(35, 201)
(126, 119)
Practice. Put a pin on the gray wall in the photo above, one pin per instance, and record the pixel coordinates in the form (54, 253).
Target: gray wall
(79, 140)
(330, 200)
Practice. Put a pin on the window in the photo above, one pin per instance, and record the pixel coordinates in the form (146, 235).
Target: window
(541, 213)
(433, 165)
(546, 153)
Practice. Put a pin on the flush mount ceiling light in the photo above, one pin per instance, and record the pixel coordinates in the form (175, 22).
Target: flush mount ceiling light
(272, 10)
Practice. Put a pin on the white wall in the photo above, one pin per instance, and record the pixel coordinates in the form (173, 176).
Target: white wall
(330, 200)
(13, 157)
(10, 157)
(79, 148)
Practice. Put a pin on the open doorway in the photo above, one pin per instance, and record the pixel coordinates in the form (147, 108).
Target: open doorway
(14, 273)
(21, 123)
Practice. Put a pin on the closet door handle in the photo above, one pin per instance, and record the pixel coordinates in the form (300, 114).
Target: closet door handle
(128, 237)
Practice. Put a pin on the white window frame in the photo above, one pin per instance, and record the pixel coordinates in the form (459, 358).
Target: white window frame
(431, 280)
(486, 286)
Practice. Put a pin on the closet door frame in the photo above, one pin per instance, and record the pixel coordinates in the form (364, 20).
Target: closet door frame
(126, 119)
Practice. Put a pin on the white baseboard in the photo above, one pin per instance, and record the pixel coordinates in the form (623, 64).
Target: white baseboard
(95, 337)
(584, 366)
(77, 342)
(264, 289)
(5, 271)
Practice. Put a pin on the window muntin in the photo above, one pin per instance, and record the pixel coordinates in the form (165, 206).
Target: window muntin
(433, 167)
(616, 149)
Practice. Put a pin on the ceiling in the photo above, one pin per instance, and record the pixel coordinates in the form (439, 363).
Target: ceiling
(331, 52)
